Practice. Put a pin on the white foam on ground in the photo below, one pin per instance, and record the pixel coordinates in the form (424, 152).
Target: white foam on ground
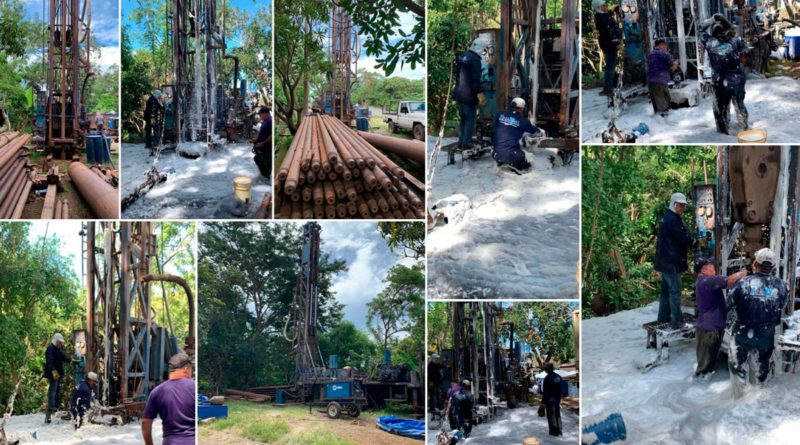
(61, 432)
(514, 425)
(199, 188)
(772, 105)
(665, 405)
(508, 236)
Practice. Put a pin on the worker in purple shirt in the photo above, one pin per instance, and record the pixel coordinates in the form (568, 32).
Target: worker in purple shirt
(711, 312)
(173, 401)
(659, 72)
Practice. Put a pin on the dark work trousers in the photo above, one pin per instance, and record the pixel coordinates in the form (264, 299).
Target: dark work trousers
(467, 115)
(659, 95)
(610, 70)
(724, 95)
(53, 391)
(669, 306)
(749, 355)
(436, 397)
(708, 343)
(148, 134)
(553, 411)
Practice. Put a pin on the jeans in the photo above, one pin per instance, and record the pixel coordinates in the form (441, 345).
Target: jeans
(669, 307)
(52, 394)
(467, 115)
(750, 356)
(610, 70)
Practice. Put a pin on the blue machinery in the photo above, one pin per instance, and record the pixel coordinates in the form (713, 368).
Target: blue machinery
(121, 341)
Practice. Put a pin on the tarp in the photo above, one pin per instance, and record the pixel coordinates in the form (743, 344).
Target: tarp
(403, 427)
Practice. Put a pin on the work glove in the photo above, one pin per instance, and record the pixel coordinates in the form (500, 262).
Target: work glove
(56, 375)
(481, 99)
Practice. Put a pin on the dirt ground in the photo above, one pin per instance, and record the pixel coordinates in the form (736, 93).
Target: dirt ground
(304, 427)
(78, 207)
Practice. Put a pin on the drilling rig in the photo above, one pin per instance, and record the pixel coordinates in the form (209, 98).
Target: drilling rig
(122, 343)
(344, 51)
(68, 70)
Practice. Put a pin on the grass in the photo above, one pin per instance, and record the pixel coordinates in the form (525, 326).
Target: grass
(318, 436)
(266, 431)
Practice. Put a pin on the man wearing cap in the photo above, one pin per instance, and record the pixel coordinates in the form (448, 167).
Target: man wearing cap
(551, 396)
(711, 313)
(509, 127)
(468, 93)
(54, 359)
(608, 37)
(152, 113)
(461, 401)
(759, 300)
(82, 399)
(173, 401)
(725, 53)
(659, 68)
(674, 239)
(262, 147)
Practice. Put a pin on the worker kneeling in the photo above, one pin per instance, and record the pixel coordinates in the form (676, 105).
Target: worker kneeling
(759, 300)
(82, 399)
(509, 127)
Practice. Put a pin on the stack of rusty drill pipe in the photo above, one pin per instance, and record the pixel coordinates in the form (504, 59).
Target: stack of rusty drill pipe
(15, 181)
(331, 172)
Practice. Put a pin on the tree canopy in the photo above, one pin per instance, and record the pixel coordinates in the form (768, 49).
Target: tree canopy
(626, 191)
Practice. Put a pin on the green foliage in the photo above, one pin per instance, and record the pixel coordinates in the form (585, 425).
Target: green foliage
(136, 85)
(18, 38)
(350, 345)
(626, 191)
(176, 245)
(376, 90)
(379, 21)
(39, 295)
(400, 307)
(103, 92)
(407, 238)
(547, 327)
(300, 58)
(248, 274)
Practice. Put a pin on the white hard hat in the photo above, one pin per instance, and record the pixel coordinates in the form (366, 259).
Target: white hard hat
(58, 338)
(92, 376)
(479, 44)
(766, 255)
(518, 102)
(465, 382)
(676, 198)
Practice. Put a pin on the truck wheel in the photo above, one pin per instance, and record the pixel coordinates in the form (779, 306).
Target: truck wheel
(392, 127)
(419, 132)
(334, 410)
(353, 410)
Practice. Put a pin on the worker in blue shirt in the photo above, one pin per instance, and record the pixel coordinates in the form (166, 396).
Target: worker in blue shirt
(509, 127)
(262, 147)
(468, 93)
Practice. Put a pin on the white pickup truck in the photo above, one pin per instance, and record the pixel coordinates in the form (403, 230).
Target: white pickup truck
(410, 115)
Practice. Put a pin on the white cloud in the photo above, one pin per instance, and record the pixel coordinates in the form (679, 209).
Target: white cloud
(368, 63)
(109, 55)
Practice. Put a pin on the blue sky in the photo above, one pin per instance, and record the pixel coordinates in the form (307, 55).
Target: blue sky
(232, 41)
(104, 25)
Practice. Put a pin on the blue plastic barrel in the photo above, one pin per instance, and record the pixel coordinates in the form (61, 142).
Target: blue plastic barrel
(93, 145)
(105, 152)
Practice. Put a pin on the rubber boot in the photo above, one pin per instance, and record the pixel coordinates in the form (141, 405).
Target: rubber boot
(47, 416)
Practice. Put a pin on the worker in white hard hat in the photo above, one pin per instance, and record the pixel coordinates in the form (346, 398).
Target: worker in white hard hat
(509, 128)
(54, 359)
(674, 240)
(81, 399)
(435, 390)
(608, 36)
(759, 300)
(468, 92)
(152, 120)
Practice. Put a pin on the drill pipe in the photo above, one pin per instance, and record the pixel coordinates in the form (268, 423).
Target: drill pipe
(101, 196)
(413, 150)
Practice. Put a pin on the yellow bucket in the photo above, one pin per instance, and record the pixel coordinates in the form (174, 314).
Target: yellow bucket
(531, 441)
(752, 136)
(242, 186)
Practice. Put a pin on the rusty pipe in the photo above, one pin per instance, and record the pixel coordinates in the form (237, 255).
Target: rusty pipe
(101, 196)
(181, 282)
(413, 150)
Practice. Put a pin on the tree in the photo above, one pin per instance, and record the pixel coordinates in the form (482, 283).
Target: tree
(399, 307)
(136, 85)
(298, 54)
(248, 275)
(546, 326)
(379, 20)
(349, 344)
(407, 238)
